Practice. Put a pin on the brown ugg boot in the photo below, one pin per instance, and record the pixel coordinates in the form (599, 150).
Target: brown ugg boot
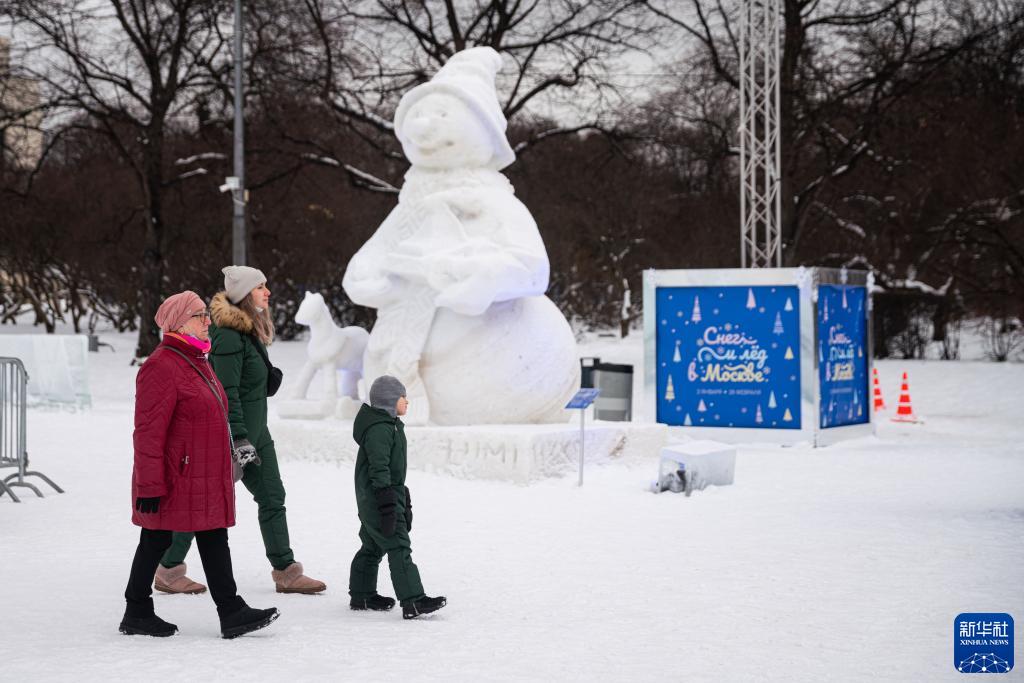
(292, 580)
(173, 580)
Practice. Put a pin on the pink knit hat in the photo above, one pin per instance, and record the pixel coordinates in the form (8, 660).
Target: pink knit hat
(177, 309)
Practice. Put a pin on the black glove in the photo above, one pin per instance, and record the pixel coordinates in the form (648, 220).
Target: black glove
(408, 509)
(245, 453)
(147, 506)
(386, 506)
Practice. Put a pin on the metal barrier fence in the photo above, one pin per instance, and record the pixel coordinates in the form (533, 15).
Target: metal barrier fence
(13, 425)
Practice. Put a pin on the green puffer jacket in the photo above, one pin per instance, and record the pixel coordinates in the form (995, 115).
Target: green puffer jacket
(241, 369)
(381, 462)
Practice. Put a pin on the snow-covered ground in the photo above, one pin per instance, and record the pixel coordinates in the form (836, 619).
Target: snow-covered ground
(843, 563)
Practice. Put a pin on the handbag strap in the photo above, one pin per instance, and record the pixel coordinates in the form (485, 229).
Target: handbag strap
(262, 350)
(209, 384)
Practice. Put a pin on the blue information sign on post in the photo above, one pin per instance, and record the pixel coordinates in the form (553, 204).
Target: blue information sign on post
(729, 356)
(842, 355)
(580, 401)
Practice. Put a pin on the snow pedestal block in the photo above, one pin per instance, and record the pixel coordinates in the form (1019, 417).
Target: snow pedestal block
(517, 453)
(306, 408)
(343, 408)
(709, 463)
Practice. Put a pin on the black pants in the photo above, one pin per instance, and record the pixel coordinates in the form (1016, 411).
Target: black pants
(216, 557)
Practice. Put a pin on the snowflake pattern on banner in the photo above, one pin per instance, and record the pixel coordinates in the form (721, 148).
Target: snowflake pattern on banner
(842, 368)
(735, 364)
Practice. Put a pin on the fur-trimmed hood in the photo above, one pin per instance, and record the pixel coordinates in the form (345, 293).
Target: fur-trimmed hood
(226, 314)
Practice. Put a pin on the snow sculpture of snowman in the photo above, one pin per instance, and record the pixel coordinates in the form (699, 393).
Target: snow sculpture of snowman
(458, 270)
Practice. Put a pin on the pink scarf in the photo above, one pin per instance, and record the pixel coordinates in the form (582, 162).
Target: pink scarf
(203, 345)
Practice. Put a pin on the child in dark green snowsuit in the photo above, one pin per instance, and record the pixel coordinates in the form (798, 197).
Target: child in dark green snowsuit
(385, 509)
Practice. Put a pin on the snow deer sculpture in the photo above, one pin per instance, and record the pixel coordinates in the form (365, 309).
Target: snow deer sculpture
(333, 351)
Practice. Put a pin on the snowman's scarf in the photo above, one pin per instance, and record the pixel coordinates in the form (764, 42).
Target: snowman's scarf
(420, 183)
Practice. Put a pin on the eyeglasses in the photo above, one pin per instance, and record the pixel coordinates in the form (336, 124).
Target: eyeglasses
(205, 315)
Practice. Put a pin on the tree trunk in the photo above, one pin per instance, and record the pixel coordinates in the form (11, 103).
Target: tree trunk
(152, 254)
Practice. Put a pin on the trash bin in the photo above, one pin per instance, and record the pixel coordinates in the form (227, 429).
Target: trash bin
(615, 403)
(587, 364)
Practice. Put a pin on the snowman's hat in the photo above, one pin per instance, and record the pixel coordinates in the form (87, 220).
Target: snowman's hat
(469, 75)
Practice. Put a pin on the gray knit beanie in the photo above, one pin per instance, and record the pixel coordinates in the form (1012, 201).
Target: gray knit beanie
(385, 392)
(240, 280)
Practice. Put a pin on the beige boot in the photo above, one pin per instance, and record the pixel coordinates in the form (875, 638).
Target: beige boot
(173, 580)
(292, 580)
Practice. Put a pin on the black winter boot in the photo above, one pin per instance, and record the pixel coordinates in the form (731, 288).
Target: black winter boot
(246, 620)
(376, 602)
(425, 605)
(151, 625)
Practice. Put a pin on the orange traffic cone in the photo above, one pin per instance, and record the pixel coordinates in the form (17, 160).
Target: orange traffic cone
(904, 413)
(879, 401)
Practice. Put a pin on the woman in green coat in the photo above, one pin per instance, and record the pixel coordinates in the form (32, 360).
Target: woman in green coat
(242, 328)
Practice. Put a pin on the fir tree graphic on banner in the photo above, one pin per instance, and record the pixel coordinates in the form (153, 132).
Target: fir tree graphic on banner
(771, 400)
(701, 408)
(758, 418)
(789, 304)
(676, 357)
(789, 353)
(751, 302)
(670, 391)
(778, 329)
(844, 298)
(687, 422)
(826, 310)
(787, 416)
(696, 310)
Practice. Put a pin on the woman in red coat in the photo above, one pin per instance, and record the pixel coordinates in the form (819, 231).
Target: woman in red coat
(182, 476)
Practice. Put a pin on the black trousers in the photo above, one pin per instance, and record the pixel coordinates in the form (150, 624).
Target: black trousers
(216, 557)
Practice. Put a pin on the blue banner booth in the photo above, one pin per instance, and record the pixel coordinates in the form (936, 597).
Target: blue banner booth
(772, 354)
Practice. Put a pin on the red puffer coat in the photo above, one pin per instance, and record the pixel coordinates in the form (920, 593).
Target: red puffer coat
(182, 443)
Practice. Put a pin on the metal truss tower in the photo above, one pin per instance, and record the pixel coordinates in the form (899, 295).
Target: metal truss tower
(760, 164)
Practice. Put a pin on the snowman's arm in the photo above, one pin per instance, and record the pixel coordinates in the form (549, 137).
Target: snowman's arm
(511, 273)
(366, 280)
(509, 258)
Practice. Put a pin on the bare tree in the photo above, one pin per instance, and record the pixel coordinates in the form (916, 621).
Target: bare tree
(843, 65)
(356, 58)
(134, 67)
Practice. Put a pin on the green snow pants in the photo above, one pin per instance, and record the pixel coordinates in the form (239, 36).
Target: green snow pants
(264, 483)
(405, 577)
